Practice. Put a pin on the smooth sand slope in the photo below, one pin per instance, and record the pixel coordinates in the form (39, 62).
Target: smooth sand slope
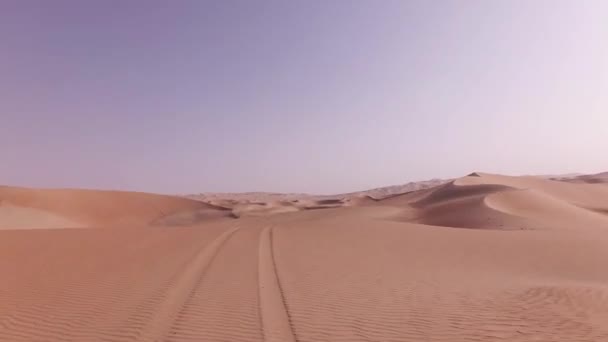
(481, 258)
(61, 208)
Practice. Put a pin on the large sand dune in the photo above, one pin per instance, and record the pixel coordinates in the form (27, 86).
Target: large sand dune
(480, 258)
(60, 208)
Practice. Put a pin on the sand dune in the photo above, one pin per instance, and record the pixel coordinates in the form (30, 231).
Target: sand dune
(480, 258)
(17, 217)
(53, 208)
(593, 178)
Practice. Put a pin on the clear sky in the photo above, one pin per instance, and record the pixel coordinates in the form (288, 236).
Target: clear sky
(298, 96)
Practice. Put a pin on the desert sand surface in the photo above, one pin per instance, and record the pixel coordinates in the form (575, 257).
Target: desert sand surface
(484, 257)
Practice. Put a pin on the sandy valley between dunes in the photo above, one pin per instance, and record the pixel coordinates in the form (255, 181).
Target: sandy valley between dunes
(480, 258)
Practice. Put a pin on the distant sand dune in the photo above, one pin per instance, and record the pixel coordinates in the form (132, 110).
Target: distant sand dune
(598, 178)
(494, 201)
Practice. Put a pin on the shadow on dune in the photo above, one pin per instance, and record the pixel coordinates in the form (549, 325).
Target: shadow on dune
(484, 201)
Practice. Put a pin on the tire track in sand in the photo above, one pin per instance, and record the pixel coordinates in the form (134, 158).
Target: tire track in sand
(159, 325)
(276, 323)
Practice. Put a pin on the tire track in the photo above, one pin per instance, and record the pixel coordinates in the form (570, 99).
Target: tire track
(273, 310)
(224, 306)
(87, 298)
(159, 325)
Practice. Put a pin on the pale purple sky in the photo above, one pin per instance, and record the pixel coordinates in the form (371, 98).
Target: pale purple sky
(298, 96)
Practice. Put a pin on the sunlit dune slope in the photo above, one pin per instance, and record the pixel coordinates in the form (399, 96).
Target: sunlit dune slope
(490, 201)
(58, 208)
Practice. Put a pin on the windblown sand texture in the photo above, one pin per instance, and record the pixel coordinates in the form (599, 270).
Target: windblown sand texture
(480, 258)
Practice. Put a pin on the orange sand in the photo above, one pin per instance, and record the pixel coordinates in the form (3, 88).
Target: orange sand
(481, 258)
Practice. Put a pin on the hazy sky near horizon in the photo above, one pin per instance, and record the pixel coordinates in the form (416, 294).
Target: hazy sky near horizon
(298, 96)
